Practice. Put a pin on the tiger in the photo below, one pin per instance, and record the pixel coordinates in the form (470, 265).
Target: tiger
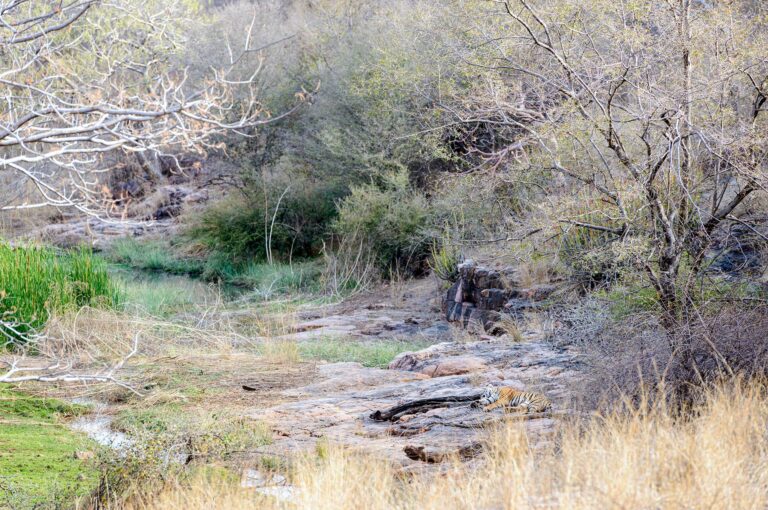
(513, 399)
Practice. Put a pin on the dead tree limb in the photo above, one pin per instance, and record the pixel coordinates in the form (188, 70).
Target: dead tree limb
(424, 405)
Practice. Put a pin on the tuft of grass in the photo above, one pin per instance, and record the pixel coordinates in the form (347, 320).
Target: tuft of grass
(38, 468)
(369, 354)
(280, 351)
(36, 281)
(444, 260)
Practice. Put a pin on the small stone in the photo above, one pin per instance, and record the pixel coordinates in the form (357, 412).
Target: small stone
(84, 455)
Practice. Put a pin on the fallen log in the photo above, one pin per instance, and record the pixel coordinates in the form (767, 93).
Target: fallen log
(423, 405)
(433, 455)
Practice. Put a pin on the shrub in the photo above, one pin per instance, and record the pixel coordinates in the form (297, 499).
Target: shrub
(270, 221)
(726, 341)
(37, 281)
(390, 218)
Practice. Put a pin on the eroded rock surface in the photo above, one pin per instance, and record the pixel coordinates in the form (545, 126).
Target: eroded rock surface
(481, 296)
(414, 315)
(339, 405)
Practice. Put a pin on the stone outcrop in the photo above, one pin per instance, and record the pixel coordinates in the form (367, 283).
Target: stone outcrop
(342, 406)
(482, 296)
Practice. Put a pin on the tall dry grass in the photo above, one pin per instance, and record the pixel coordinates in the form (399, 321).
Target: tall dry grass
(646, 458)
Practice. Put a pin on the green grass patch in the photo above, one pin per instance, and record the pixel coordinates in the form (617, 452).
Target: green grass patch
(264, 279)
(36, 281)
(18, 405)
(280, 279)
(153, 256)
(369, 354)
(38, 468)
(162, 295)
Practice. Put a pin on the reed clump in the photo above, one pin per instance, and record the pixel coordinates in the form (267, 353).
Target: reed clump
(37, 281)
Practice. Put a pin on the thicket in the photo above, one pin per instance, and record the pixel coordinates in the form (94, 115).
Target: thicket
(625, 164)
(362, 162)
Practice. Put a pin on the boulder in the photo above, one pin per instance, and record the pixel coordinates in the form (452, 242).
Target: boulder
(482, 296)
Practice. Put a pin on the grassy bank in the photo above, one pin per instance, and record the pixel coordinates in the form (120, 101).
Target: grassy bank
(265, 280)
(38, 463)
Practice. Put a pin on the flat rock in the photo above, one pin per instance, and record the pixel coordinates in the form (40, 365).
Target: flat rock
(338, 407)
(454, 366)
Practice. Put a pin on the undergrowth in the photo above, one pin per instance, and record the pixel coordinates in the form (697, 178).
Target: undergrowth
(266, 280)
(643, 457)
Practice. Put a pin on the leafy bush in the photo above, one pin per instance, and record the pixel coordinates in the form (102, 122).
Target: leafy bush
(390, 218)
(37, 281)
(269, 221)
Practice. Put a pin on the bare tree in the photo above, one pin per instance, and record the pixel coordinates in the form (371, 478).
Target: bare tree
(654, 109)
(81, 78)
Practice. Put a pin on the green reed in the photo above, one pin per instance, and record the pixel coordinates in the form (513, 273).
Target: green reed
(36, 282)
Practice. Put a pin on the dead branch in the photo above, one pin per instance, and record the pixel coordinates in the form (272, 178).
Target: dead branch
(59, 371)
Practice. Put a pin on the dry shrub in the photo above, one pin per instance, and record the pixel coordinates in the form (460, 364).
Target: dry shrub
(508, 325)
(626, 356)
(644, 458)
(350, 267)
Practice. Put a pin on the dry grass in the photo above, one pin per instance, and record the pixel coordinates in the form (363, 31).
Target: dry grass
(509, 325)
(92, 334)
(649, 459)
(537, 271)
(280, 351)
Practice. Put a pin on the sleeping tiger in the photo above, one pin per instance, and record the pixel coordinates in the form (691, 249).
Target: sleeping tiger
(513, 399)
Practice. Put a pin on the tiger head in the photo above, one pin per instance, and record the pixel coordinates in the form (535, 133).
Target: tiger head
(489, 396)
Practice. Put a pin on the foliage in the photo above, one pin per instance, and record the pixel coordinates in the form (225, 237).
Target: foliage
(269, 220)
(37, 281)
(390, 218)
